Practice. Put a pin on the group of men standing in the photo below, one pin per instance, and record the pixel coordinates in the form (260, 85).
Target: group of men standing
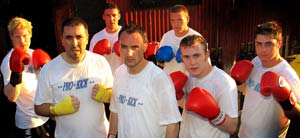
(75, 87)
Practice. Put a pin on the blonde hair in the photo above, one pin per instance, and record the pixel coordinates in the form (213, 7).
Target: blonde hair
(19, 23)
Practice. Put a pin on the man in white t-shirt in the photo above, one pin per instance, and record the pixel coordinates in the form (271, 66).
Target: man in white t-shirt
(179, 18)
(269, 104)
(111, 16)
(210, 94)
(70, 86)
(20, 80)
(143, 104)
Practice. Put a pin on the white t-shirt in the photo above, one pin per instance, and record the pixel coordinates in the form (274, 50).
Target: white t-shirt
(59, 79)
(263, 117)
(114, 60)
(25, 116)
(224, 90)
(170, 39)
(145, 102)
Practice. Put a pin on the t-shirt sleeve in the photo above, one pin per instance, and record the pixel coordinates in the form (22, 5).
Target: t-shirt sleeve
(43, 91)
(168, 108)
(5, 70)
(228, 98)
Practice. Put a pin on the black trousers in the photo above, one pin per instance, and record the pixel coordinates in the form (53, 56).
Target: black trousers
(44, 131)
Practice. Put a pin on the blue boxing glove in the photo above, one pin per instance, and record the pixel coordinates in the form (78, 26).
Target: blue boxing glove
(164, 54)
(178, 56)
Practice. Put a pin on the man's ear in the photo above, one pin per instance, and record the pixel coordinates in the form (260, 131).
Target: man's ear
(61, 38)
(119, 17)
(188, 18)
(207, 54)
(103, 17)
(279, 43)
(145, 47)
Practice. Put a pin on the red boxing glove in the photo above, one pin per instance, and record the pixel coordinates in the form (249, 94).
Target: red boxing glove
(273, 83)
(179, 79)
(203, 104)
(151, 49)
(17, 60)
(116, 48)
(102, 47)
(40, 58)
(241, 70)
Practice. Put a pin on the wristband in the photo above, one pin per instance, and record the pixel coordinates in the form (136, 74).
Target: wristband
(111, 135)
(15, 78)
(219, 120)
(289, 103)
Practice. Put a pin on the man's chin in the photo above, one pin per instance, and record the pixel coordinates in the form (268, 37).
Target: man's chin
(25, 49)
(263, 58)
(193, 71)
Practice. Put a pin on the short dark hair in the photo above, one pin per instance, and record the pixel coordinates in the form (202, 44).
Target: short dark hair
(271, 28)
(74, 21)
(179, 8)
(192, 39)
(110, 5)
(132, 28)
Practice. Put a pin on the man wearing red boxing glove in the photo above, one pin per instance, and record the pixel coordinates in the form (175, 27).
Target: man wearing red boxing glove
(263, 115)
(20, 80)
(111, 16)
(211, 106)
